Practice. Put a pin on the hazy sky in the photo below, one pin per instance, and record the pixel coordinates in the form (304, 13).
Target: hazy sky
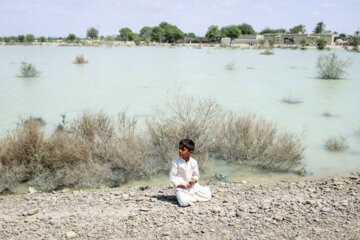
(61, 17)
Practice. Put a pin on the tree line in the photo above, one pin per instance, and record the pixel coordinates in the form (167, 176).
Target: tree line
(166, 32)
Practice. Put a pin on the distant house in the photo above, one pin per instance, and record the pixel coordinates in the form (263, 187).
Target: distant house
(294, 39)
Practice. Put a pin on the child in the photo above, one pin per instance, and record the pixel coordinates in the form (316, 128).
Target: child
(184, 175)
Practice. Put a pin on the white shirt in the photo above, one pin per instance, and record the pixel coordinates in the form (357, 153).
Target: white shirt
(181, 172)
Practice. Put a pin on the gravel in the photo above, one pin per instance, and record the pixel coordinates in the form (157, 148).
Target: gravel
(310, 209)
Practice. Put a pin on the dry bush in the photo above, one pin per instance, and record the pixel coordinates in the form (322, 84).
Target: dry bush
(251, 140)
(336, 143)
(184, 118)
(230, 66)
(292, 99)
(92, 151)
(79, 59)
(267, 52)
(327, 114)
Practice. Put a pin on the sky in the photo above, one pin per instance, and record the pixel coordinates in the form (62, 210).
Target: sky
(58, 18)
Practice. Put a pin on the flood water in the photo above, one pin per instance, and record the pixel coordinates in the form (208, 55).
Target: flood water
(143, 78)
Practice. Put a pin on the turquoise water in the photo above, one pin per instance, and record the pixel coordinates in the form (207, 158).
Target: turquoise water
(143, 78)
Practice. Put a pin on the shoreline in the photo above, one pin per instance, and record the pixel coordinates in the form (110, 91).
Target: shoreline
(308, 209)
(155, 44)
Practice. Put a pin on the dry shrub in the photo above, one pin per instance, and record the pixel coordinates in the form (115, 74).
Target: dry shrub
(252, 140)
(92, 151)
(267, 52)
(336, 143)
(79, 59)
(230, 66)
(292, 99)
(184, 118)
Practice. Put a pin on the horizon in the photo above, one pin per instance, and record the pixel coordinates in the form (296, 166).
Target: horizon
(58, 18)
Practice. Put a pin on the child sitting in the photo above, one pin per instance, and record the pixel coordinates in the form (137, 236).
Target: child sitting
(184, 175)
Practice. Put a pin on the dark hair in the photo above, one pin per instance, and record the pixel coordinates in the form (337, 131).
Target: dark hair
(188, 143)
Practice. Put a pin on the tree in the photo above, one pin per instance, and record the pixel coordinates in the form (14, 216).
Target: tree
(298, 29)
(21, 38)
(172, 32)
(42, 39)
(145, 33)
(92, 33)
(71, 37)
(246, 29)
(126, 34)
(273, 31)
(30, 38)
(342, 36)
(213, 33)
(191, 35)
(320, 28)
(231, 31)
(158, 34)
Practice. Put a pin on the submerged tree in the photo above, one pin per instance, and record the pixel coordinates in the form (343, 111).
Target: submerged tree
(28, 70)
(330, 66)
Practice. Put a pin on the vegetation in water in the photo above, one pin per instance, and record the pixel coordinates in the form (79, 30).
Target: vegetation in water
(330, 66)
(230, 66)
(28, 70)
(80, 59)
(267, 52)
(96, 149)
(292, 99)
(336, 143)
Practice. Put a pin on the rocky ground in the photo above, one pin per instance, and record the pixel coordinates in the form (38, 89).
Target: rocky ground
(318, 209)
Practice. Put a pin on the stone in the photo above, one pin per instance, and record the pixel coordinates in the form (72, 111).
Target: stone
(278, 218)
(71, 234)
(33, 212)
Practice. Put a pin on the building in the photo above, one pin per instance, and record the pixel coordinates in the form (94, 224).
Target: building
(294, 39)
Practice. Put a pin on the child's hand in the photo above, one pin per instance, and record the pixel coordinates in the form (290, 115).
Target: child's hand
(191, 183)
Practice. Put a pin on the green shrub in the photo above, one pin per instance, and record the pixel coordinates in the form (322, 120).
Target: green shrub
(330, 66)
(28, 70)
(303, 43)
(321, 43)
(355, 43)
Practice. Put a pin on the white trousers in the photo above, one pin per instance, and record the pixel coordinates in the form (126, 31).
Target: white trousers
(185, 198)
